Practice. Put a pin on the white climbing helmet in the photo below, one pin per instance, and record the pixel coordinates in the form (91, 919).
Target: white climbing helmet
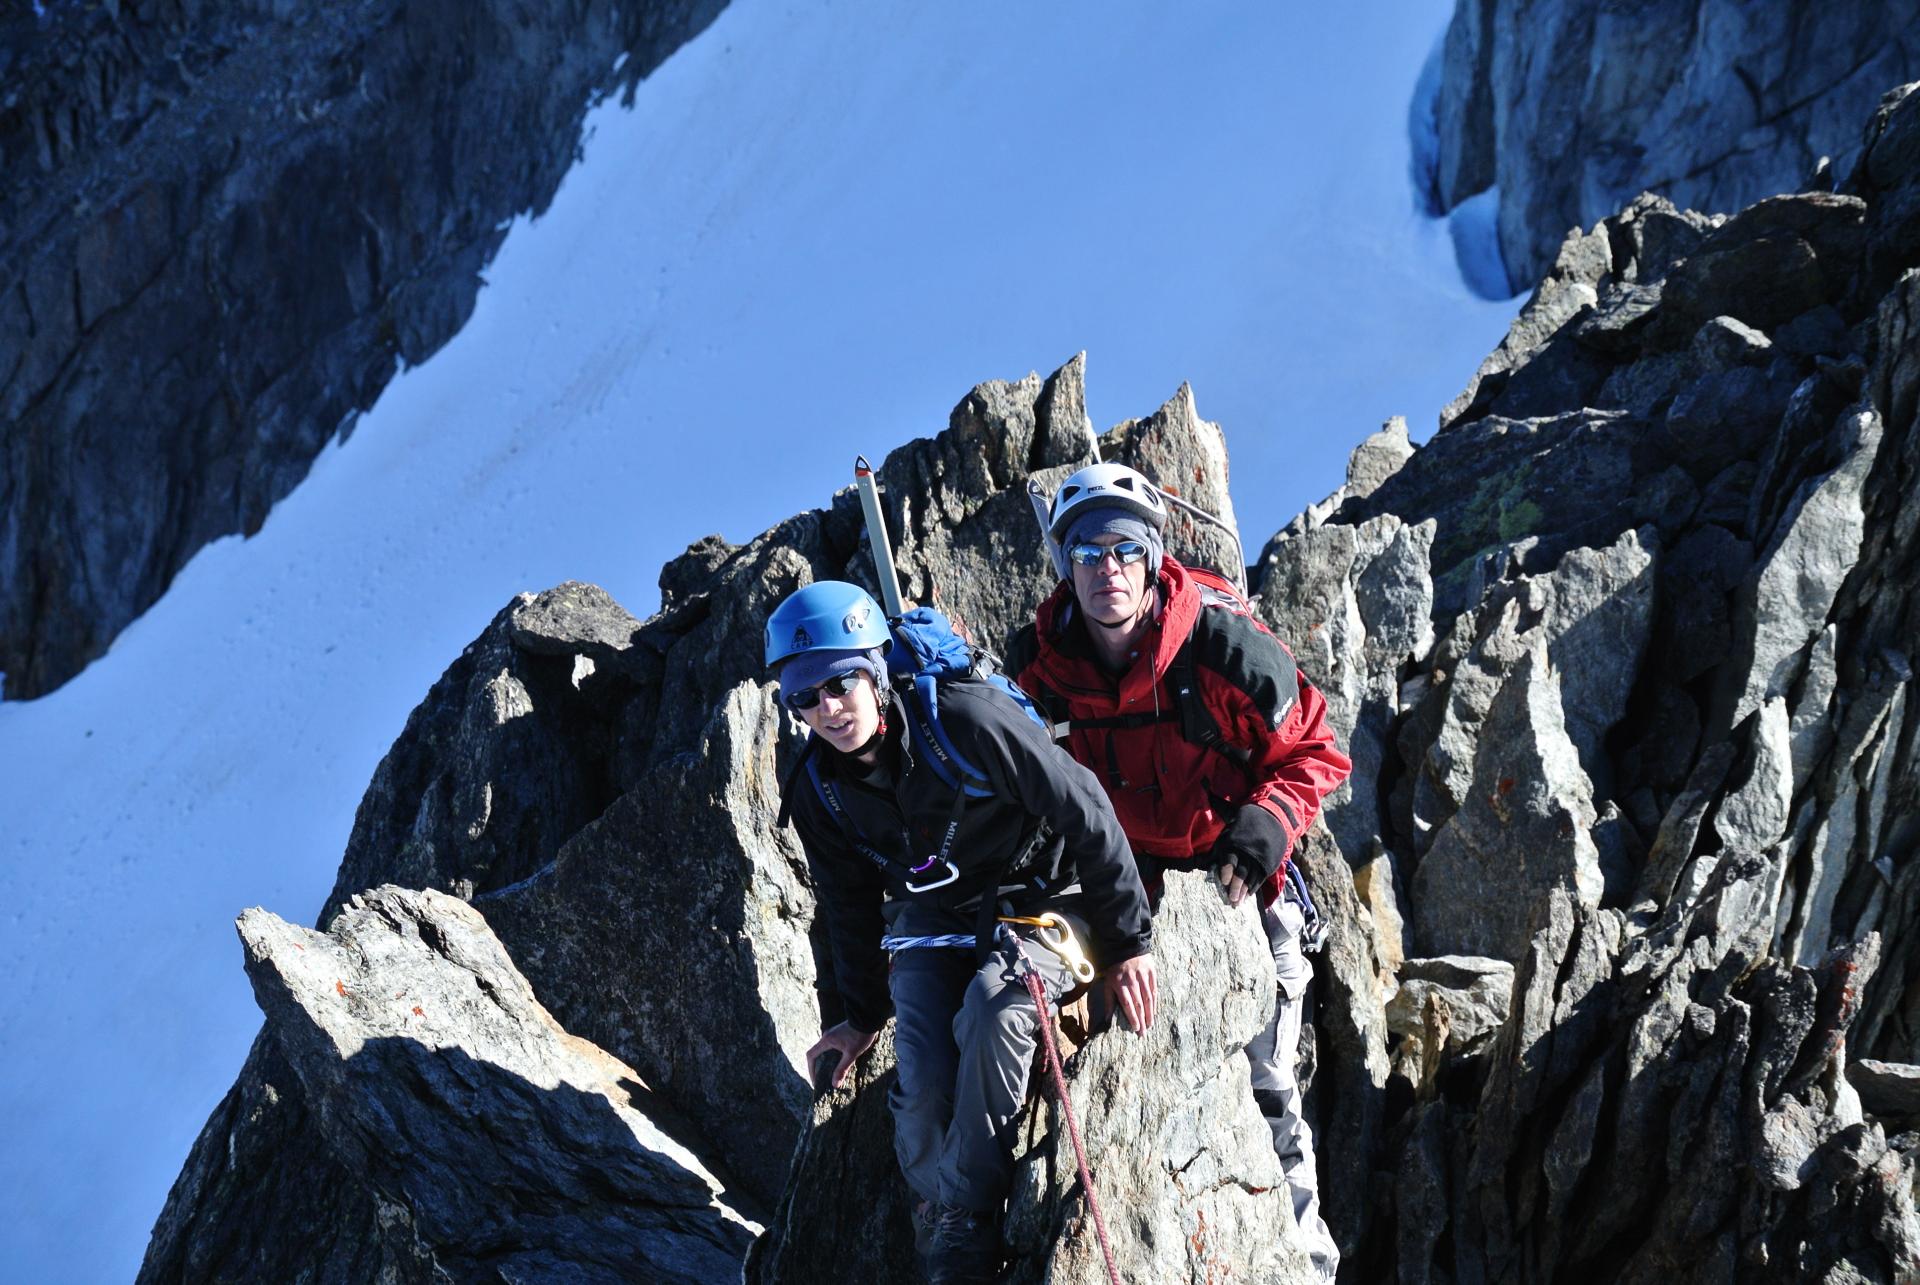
(1101, 486)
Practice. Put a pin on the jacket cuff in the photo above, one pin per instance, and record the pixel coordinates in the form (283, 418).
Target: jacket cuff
(1277, 810)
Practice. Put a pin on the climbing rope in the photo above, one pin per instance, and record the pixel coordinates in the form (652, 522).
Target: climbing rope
(1031, 975)
(1053, 931)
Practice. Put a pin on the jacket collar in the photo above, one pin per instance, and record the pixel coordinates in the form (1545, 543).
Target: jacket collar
(1066, 657)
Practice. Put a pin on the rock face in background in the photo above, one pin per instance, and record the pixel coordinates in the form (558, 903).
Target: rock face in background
(1570, 108)
(1623, 980)
(1657, 758)
(221, 229)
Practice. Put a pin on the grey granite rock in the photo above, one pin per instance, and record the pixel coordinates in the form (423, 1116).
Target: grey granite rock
(1477, 991)
(1887, 1088)
(1354, 604)
(1754, 813)
(1521, 833)
(1346, 1097)
(1800, 573)
(506, 1145)
(1567, 293)
(239, 1212)
(1594, 614)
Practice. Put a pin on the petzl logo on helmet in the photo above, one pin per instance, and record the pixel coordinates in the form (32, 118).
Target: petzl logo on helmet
(802, 640)
(855, 621)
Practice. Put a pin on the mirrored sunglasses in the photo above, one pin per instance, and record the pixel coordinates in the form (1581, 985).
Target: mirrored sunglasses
(839, 685)
(1127, 552)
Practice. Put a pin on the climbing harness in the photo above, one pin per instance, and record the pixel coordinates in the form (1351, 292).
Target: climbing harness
(1031, 976)
(1051, 929)
(1057, 936)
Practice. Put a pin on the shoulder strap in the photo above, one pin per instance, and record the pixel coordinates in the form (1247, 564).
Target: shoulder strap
(923, 721)
(830, 797)
(1197, 723)
(802, 764)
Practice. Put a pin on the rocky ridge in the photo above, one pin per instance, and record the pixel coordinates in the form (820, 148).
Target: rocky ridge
(222, 229)
(1620, 979)
(1567, 109)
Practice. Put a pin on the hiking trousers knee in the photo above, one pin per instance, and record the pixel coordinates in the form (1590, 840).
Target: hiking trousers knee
(964, 1035)
(1276, 1087)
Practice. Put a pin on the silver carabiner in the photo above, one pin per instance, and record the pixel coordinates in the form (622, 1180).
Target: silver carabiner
(952, 873)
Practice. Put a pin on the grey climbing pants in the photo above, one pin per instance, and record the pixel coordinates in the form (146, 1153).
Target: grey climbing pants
(1277, 1088)
(964, 1035)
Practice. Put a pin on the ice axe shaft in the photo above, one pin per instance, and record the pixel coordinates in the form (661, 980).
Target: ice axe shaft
(869, 489)
(1239, 552)
(1037, 497)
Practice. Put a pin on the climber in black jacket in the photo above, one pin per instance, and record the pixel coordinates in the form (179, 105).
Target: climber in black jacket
(903, 861)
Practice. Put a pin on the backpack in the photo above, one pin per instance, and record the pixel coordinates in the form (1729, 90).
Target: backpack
(927, 654)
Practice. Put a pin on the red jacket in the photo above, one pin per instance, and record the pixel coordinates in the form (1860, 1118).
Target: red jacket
(1173, 796)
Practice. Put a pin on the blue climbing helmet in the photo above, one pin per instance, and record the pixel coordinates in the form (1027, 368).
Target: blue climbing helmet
(827, 615)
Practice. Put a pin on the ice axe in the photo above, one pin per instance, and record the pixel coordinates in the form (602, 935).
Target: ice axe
(869, 488)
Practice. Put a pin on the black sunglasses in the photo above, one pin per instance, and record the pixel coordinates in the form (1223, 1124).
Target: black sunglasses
(839, 685)
(1090, 555)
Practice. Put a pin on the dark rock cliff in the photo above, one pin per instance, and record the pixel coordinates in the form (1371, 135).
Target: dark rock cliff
(1659, 757)
(1626, 913)
(222, 228)
(1570, 108)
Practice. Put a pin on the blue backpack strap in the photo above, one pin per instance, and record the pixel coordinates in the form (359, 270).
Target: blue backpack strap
(927, 648)
(941, 754)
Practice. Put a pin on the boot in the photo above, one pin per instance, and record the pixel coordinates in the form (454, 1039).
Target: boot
(966, 1248)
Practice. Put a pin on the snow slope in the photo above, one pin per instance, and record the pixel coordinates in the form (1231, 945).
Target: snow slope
(815, 229)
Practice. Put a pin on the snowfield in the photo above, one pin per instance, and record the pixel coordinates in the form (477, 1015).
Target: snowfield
(815, 229)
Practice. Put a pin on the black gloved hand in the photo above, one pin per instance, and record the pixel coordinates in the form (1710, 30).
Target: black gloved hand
(1253, 843)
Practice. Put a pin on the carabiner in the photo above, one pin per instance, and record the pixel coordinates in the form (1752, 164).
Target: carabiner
(952, 873)
(1057, 936)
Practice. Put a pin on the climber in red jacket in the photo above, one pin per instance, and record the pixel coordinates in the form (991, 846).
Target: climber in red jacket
(1213, 747)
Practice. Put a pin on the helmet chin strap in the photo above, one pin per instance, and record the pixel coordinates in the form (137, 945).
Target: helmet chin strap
(873, 742)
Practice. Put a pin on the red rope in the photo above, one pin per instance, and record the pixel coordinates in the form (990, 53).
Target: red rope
(1032, 977)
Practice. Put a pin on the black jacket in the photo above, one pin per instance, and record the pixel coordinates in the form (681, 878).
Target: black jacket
(903, 820)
